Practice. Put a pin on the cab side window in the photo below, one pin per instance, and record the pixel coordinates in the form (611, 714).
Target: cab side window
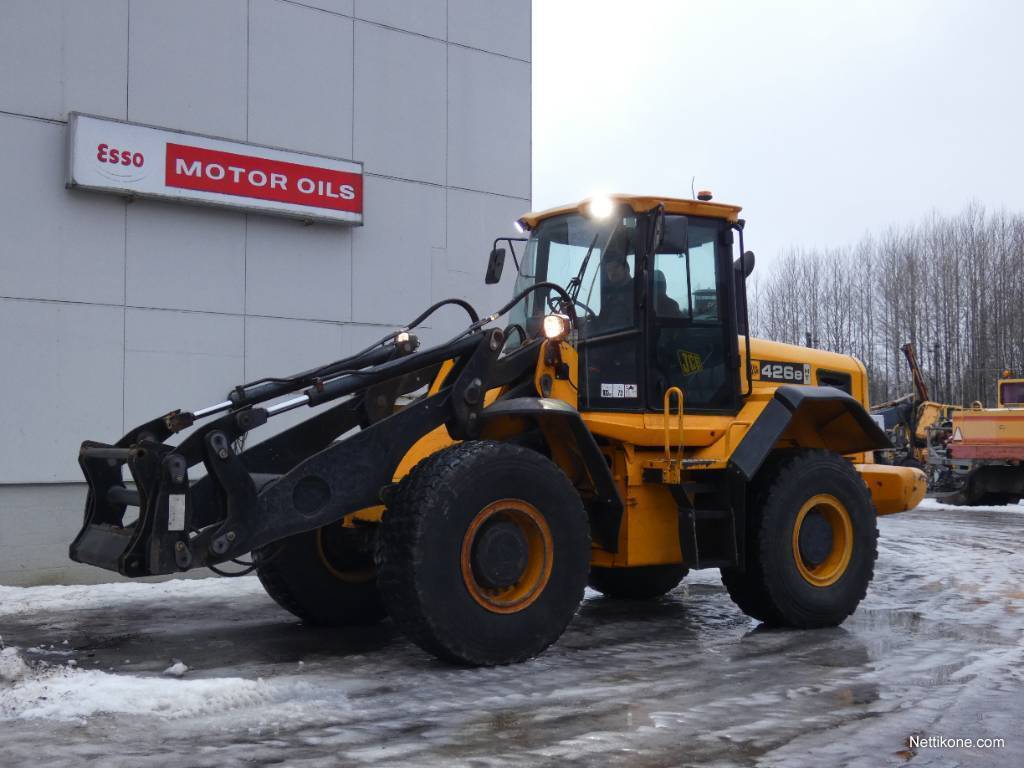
(684, 286)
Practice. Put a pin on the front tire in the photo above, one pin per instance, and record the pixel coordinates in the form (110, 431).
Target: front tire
(641, 583)
(484, 554)
(812, 546)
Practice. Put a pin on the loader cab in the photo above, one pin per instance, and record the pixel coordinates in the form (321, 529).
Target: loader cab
(656, 309)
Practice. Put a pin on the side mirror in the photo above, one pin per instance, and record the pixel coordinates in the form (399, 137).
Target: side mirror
(748, 264)
(741, 269)
(657, 229)
(495, 265)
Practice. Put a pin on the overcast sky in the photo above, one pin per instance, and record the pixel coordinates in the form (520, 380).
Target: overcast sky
(824, 120)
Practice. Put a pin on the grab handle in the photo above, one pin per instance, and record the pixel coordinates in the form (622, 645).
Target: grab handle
(668, 433)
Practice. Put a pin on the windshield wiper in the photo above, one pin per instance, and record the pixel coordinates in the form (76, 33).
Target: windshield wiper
(573, 289)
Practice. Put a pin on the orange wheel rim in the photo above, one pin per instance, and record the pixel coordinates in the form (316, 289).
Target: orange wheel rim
(539, 556)
(353, 576)
(828, 570)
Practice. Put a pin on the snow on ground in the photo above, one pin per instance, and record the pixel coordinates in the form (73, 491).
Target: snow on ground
(937, 649)
(932, 504)
(73, 694)
(57, 599)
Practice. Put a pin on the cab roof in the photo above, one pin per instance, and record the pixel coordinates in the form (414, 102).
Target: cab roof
(641, 204)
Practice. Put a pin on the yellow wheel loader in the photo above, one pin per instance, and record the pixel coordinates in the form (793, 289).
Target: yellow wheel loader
(618, 428)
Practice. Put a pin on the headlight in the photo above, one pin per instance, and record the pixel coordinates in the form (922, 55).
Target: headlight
(556, 326)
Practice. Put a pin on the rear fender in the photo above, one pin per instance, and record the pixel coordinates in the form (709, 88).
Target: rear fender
(572, 447)
(812, 417)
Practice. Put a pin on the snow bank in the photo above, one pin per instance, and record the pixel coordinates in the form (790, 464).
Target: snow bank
(935, 504)
(22, 600)
(72, 694)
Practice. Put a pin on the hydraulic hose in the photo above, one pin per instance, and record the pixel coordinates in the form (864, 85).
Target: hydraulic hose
(568, 303)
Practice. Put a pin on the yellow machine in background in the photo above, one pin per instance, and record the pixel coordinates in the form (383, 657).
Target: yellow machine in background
(978, 455)
(909, 420)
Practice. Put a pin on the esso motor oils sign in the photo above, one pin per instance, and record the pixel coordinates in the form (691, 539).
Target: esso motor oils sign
(131, 159)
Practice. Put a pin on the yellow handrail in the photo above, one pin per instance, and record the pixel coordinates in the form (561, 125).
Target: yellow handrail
(668, 405)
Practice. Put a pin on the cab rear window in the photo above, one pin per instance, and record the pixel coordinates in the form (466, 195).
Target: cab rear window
(1011, 393)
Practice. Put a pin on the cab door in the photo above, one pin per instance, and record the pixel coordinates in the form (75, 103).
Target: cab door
(691, 319)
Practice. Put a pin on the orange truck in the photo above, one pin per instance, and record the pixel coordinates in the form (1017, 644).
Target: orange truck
(979, 454)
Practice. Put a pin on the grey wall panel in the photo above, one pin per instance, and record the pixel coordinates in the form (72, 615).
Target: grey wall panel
(185, 257)
(426, 17)
(56, 244)
(334, 6)
(77, 53)
(488, 116)
(113, 312)
(179, 360)
(400, 103)
(499, 26)
(61, 384)
(42, 520)
(300, 78)
(46, 519)
(391, 255)
(356, 337)
(187, 65)
(474, 219)
(300, 271)
(275, 347)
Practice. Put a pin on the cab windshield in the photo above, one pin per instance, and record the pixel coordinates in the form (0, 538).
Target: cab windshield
(593, 259)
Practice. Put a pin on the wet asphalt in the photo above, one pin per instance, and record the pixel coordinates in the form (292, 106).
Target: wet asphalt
(936, 650)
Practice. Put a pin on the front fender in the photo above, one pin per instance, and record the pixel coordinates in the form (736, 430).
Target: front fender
(572, 447)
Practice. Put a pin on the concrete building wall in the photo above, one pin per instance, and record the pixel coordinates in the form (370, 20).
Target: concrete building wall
(114, 311)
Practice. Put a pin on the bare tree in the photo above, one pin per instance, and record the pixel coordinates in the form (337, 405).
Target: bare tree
(951, 285)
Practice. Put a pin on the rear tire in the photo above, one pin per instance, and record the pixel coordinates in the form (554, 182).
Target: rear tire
(812, 555)
(484, 554)
(326, 577)
(641, 583)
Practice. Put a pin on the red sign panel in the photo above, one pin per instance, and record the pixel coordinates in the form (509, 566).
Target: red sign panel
(228, 173)
(146, 161)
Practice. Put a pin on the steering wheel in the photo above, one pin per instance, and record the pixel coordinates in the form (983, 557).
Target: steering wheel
(555, 306)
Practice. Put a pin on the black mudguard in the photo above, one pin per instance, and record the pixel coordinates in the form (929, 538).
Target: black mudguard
(839, 420)
(604, 505)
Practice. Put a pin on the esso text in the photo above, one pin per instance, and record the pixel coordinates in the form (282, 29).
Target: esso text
(107, 154)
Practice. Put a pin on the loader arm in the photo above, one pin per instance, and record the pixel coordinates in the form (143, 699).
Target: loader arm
(300, 479)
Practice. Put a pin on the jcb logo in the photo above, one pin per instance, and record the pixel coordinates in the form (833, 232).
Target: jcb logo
(690, 362)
